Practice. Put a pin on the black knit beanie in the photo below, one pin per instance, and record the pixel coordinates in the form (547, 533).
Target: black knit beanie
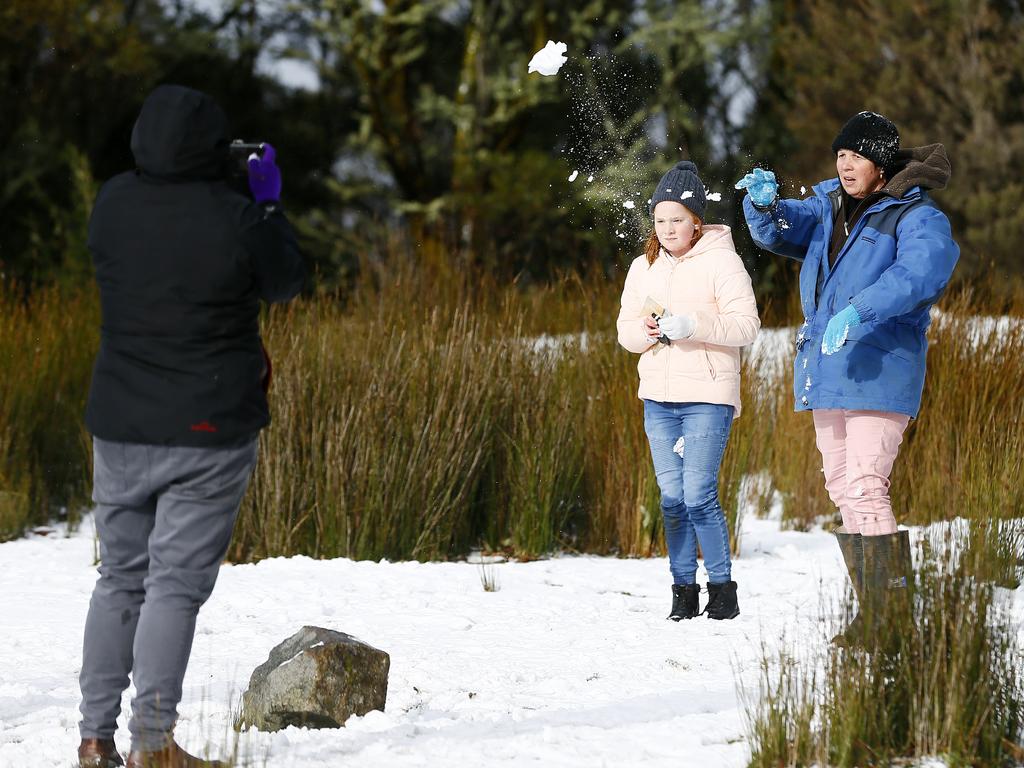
(683, 185)
(870, 135)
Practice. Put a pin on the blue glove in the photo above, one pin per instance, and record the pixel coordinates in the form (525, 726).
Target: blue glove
(264, 176)
(761, 186)
(838, 329)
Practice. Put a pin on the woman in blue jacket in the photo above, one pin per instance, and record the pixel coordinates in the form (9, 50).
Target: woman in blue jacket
(876, 253)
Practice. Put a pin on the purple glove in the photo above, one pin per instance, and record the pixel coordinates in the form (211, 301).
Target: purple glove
(264, 176)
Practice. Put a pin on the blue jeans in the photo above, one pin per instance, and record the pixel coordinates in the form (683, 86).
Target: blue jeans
(689, 484)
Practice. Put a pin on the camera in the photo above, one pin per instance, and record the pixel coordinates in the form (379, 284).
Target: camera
(238, 163)
(240, 150)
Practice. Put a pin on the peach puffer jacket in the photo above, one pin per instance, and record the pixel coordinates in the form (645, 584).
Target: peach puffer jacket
(710, 283)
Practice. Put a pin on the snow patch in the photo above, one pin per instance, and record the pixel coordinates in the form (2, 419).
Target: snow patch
(679, 447)
(831, 349)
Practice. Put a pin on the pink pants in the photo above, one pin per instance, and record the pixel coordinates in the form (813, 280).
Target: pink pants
(858, 449)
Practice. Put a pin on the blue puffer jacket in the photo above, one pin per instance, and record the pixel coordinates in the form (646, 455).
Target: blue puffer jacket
(894, 266)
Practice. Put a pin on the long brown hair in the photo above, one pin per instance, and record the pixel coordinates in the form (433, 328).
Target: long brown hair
(653, 246)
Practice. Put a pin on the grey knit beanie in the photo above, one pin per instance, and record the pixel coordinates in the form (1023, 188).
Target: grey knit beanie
(682, 185)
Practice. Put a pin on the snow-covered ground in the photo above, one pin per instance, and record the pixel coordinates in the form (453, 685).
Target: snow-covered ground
(570, 663)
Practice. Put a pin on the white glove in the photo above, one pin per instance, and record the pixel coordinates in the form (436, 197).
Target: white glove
(678, 327)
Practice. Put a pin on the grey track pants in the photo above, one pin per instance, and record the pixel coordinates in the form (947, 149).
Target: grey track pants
(164, 516)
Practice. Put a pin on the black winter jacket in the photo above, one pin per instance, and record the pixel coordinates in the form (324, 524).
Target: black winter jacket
(182, 261)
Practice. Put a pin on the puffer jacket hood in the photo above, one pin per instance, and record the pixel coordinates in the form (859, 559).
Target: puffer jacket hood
(926, 167)
(181, 134)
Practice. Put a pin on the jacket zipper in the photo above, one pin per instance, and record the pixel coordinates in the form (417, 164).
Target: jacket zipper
(668, 301)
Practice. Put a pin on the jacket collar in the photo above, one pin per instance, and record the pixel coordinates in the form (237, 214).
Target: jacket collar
(715, 236)
(830, 190)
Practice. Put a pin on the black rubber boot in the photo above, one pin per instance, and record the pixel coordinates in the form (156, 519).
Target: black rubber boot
(852, 547)
(885, 600)
(888, 573)
(685, 603)
(722, 602)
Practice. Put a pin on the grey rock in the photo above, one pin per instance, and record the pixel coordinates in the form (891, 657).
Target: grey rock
(316, 678)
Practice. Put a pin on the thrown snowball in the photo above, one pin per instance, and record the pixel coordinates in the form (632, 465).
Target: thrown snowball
(573, 175)
(629, 204)
(549, 59)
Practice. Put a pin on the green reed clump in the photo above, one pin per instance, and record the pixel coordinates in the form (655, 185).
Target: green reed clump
(782, 713)
(47, 343)
(380, 440)
(942, 678)
(995, 550)
(542, 452)
(622, 498)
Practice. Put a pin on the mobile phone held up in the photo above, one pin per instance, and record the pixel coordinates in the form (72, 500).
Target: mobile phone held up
(238, 167)
(240, 151)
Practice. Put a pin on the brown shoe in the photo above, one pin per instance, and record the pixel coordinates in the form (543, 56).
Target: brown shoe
(171, 756)
(98, 753)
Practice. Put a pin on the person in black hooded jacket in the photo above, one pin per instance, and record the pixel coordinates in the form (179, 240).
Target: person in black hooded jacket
(177, 400)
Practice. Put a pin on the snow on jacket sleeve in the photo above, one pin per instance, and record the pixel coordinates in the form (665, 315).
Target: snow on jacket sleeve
(736, 323)
(631, 332)
(787, 228)
(925, 256)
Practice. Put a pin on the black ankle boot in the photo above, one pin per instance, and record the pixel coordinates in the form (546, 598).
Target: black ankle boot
(684, 601)
(722, 602)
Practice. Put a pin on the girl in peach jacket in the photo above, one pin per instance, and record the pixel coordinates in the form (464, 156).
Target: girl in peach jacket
(687, 308)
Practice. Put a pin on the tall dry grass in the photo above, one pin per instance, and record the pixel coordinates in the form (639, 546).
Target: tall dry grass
(965, 456)
(403, 430)
(47, 344)
(943, 679)
(431, 410)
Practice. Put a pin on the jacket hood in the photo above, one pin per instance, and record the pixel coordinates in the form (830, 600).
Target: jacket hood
(181, 134)
(715, 236)
(926, 167)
